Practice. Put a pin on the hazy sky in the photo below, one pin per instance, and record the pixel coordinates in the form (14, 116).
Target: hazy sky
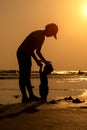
(20, 17)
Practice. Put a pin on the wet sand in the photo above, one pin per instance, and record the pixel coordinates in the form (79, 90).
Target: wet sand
(34, 116)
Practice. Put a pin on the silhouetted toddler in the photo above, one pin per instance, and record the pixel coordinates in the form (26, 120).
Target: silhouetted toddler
(43, 88)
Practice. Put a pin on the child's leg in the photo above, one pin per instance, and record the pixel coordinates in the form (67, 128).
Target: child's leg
(43, 92)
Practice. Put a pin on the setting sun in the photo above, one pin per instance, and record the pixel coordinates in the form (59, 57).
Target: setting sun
(84, 9)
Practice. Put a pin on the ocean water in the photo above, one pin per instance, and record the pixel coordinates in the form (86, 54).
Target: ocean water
(63, 84)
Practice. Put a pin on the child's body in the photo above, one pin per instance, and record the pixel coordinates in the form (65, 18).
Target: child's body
(43, 88)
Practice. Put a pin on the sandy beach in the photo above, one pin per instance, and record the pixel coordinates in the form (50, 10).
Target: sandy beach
(49, 116)
(59, 114)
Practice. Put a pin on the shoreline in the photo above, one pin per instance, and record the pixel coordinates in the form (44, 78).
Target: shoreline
(60, 113)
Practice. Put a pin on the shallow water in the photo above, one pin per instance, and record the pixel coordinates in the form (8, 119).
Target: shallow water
(59, 87)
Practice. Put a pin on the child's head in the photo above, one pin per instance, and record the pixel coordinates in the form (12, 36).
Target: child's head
(48, 68)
